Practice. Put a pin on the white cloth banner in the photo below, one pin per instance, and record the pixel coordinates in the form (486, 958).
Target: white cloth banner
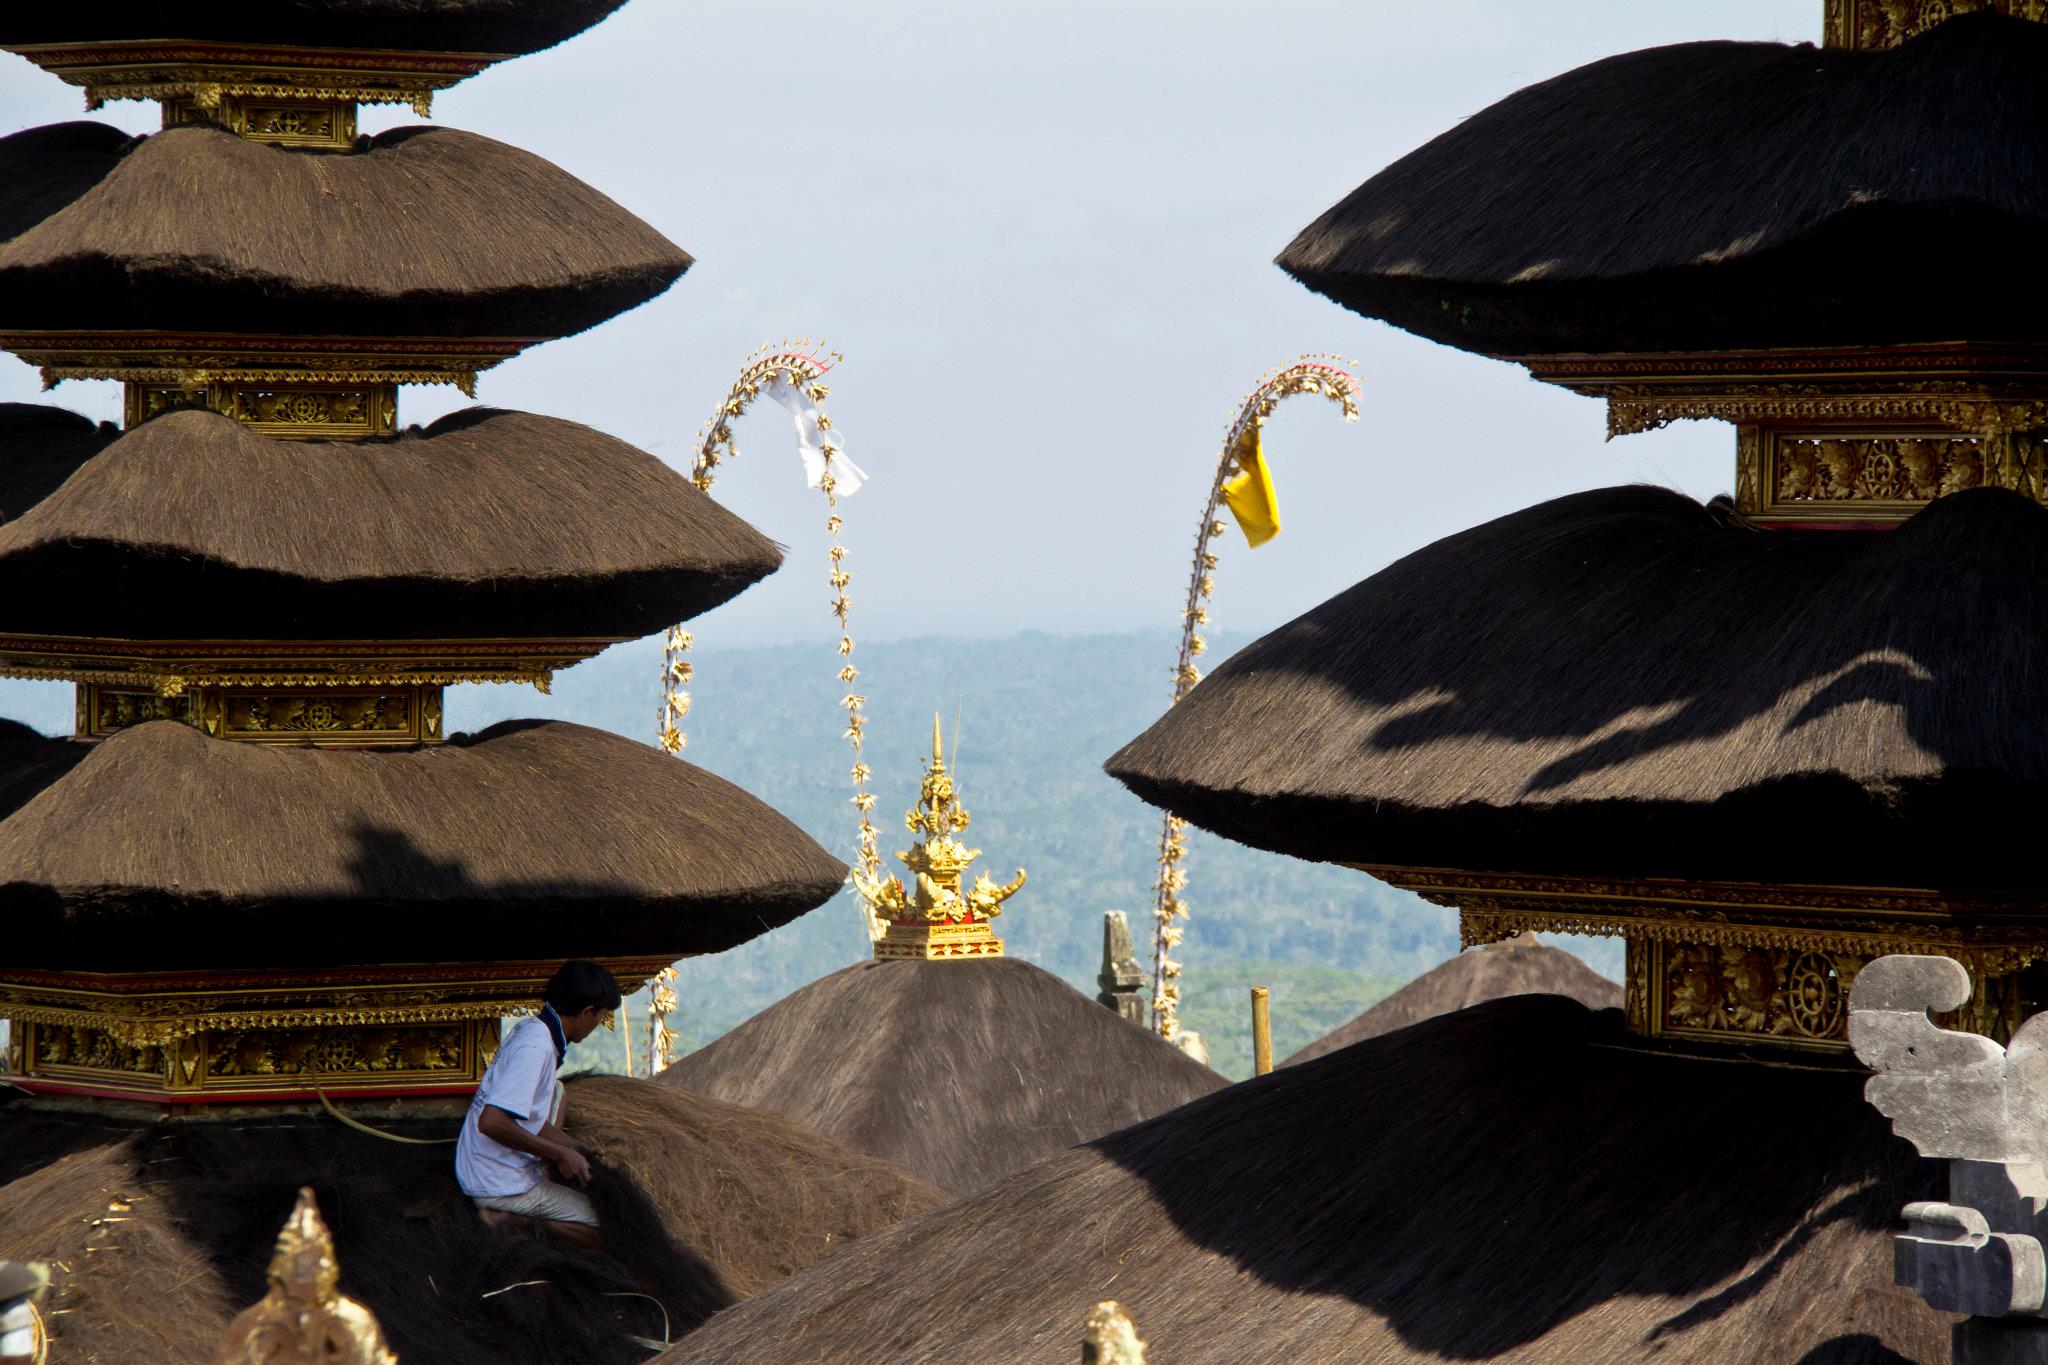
(811, 440)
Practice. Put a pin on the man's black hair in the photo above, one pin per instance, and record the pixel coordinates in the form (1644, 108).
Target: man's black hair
(578, 985)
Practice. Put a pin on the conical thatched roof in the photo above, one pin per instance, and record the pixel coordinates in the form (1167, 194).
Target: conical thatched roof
(508, 26)
(1493, 971)
(160, 849)
(1508, 1182)
(1624, 682)
(744, 1198)
(959, 1072)
(487, 523)
(1719, 195)
(418, 232)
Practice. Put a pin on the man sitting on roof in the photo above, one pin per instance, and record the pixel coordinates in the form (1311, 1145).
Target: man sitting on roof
(512, 1135)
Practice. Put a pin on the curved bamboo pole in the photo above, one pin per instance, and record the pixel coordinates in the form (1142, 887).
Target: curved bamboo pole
(1332, 378)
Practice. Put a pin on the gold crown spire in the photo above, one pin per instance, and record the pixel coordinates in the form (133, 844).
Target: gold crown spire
(933, 917)
(305, 1316)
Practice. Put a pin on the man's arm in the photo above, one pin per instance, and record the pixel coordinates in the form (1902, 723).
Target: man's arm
(499, 1126)
(554, 1134)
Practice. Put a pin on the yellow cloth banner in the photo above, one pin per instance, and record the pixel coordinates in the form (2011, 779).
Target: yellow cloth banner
(1249, 493)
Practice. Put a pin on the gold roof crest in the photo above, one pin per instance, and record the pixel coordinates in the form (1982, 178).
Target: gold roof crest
(933, 917)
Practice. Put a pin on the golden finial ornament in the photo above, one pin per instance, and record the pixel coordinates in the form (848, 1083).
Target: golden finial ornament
(932, 917)
(305, 1317)
(1110, 1337)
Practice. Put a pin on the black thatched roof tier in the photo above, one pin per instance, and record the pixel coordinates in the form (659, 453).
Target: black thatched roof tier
(707, 1203)
(1717, 195)
(485, 524)
(1493, 971)
(507, 26)
(1623, 682)
(548, 838)
(1510, 1181)
(959, 1072)
(420, 232)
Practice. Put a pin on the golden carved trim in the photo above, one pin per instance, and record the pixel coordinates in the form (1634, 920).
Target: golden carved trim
(1871, 24)
(174, 667)
(207, 73)
(292, 120)
(1631, 409)
(1857, 476)
(343, 717)
(1490, 922)
(195, 361)
(299, 412)
(1782, 901)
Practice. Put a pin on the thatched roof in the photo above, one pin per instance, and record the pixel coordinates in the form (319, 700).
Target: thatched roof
(1718, 195)
(1623, 682)
(744, 1199)
(418, 232)
(1493, 971)
(510, 26)
(560, 840)
(487, 523)
(959, 1072)
(1510, 1181)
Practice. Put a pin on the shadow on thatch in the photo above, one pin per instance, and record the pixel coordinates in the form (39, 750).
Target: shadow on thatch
(201, 1202)
(1516, 966)
(486, 523)
(1621, 681)
(530, 832)
(1509, 1180)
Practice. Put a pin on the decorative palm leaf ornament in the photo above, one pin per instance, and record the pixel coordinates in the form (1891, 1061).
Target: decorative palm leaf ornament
(791, 373)
(1243, 484)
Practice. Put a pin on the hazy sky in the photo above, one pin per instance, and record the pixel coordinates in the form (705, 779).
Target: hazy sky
(1042, 232)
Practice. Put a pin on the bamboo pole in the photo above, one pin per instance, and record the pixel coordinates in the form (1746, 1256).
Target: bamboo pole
(1262, 1033)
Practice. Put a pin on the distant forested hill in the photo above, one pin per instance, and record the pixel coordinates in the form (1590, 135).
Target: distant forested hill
(1037, 715)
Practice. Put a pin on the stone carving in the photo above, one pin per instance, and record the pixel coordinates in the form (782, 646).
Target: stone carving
(1983, 1108)
(1121, 978)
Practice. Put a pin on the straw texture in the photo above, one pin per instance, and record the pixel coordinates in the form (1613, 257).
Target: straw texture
(704, 1204)
(1510, 1182)
(161, 848)
(487, 523)
(508, 26)
(959, 1072)
(1515, 966)
(1622, 681)
(418, 232)
(1718, 195)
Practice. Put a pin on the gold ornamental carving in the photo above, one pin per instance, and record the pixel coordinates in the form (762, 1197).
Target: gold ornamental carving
(303, 1317)
(271, 1035)
(174, 668)
(1750, 963)
(282, 122)
(197, 362)
(338, 717)
(208, 74)
(1871, 24)
(295, 412)
(933, 917)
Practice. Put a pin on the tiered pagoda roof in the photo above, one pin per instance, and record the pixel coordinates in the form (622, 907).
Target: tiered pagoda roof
(1759, 754)
(261, 866)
